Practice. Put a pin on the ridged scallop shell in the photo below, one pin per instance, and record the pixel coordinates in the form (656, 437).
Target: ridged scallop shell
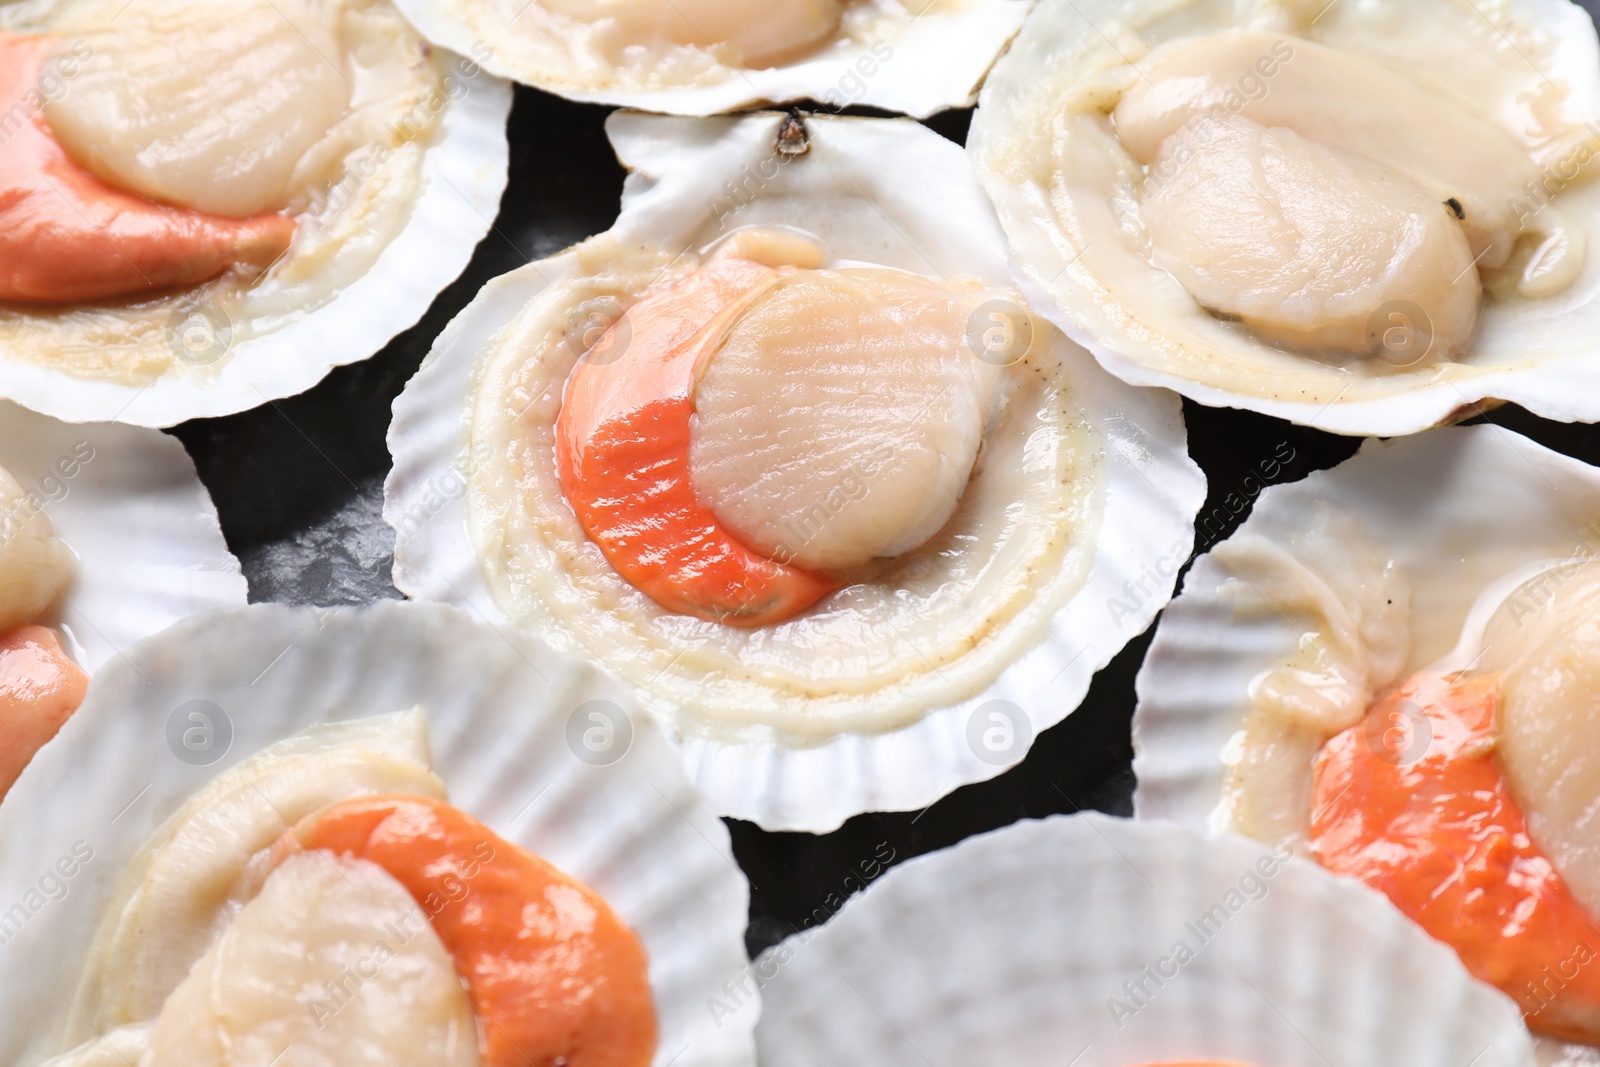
(1457, 508)
(680, 166)
(936, 62)
(1543, 355)
(1014, 948)
(498, 708)
(149, 547)
(464, 173)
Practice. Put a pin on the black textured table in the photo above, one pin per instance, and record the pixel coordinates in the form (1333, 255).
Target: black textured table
(299, 485)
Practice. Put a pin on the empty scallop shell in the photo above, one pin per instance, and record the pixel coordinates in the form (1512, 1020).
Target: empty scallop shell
(1536, 353)
(879, 191)
(500, 710)
(914, 58)
(1457, 508)
(129, 504)
(1020, 946)
(464, 171)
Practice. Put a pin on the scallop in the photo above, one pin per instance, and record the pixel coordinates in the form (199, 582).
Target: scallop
(1461, 554)
(301, 706)
(1365, 218)
(333, 962)
(186, 886)
(208, 107)
(1345, 101)
(1306, 243)
(292, 183)
(1545, 636)
(106, 533)
(1361, 575)
(825, 491)
(36, 567)
(752, 36)
(703, 57)
(854, 390)
(107, 536)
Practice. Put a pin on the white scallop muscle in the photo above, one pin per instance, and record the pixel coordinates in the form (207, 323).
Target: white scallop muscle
(35, 566)
(184, 887)
(840, 419)
(332, 965)
(203, 105)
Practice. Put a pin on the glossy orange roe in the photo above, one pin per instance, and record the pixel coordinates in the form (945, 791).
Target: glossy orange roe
(622, 453)
(1431, 823)
(66, 237)
(40, 688)
(555, 976)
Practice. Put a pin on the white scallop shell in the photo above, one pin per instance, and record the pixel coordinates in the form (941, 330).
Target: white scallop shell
(150, 551)
(498, 710)
(464, 172)
(1458, 508)
(925, 211)
(1544, 354)
(936, 62)
(1010, 947)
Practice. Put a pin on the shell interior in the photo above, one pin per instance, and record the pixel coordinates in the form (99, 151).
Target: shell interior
(128, 502)
(692, 179)
(1531, 352)
(914, 63)
(463, 173)
(501, 713)
(1459, 510)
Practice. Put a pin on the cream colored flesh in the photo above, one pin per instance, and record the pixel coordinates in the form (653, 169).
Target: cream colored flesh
(333, 963)
(1352, 606)
(1088, 95)
(208, 106)
(189, 881)
(116, 1048)
(35, 566)
(839, 421)
(1546, 638)
(1310, 245)
(1340, 99)
(351, 192)
(664, 46)
(756, 35)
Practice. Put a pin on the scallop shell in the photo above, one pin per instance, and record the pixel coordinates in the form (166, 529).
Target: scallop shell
(936, 62)
(499, 708)
(924, 198)
(464, 172)
(150, 551)
(1014, 947)
(1458, 508)
(1538, 355)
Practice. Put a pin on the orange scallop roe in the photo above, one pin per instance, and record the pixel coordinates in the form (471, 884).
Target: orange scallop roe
(1442, 837)
(66, 237)
(40, 688)
(555, 976)
(622, 453)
